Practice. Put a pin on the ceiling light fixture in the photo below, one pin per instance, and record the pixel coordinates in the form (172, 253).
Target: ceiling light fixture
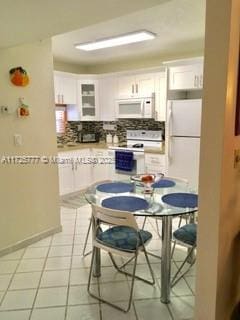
(121, 40)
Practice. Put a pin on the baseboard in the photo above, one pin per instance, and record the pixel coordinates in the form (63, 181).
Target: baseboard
(26, 242)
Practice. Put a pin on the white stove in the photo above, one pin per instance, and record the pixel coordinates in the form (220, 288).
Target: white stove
(138, 139)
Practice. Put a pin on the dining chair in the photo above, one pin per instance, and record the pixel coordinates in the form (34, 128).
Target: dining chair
(84, 253)
(178, 180)
(187, 237)
(123, 238)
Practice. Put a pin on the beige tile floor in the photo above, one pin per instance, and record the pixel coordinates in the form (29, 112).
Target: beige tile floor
(47, 280)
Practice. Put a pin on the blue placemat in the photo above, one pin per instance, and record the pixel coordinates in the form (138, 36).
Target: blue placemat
(115, 187)
(182, 200)
(164, 183)
(125, 203)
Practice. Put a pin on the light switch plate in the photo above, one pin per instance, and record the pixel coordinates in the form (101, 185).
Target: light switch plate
(237, 159)
(18, 139)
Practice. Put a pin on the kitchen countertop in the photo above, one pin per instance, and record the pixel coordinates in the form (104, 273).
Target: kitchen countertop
(82, 146)
(104, 145)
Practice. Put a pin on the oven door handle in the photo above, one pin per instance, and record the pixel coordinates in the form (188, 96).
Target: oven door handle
(142, 108)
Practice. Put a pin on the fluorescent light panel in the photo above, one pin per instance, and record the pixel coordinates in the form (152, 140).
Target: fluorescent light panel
(133, 37)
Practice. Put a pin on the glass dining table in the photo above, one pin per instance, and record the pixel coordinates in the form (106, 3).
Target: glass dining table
(169, 199)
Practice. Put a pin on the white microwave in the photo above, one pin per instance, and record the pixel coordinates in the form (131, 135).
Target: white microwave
(138, 108)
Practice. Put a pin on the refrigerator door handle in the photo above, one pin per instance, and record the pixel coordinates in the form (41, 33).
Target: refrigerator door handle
(169, 121)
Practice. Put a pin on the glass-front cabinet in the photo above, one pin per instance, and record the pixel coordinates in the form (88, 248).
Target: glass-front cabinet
(89, 105)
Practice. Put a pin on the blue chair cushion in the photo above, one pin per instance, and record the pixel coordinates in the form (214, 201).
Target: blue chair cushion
(187, 234)
(164, 183)
(123, 238)
(115, 187)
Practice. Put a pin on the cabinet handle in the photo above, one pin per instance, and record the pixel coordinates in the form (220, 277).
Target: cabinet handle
(195, 81)
(136, 88)
(132, 88)
(201, 81)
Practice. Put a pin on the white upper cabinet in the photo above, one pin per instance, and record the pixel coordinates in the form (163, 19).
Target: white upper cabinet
(88, 100)
(135, 86)
(107, 98)
(145, 85)
(65, 89)
(186, 77)
(126, 87)
(160, 96)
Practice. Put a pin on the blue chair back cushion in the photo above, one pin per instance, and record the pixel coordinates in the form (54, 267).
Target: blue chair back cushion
(115, 187)
(187, 234)
(123, 238)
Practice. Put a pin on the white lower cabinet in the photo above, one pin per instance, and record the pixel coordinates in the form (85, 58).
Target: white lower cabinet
(155, 163)
(66, 179)
(101, 170)
(84, 167)
(75, 173)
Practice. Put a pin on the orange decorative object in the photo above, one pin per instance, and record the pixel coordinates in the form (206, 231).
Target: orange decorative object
(23, 109)
(19, 77)
(147, 179)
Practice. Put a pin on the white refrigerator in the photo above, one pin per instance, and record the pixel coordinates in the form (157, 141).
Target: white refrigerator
(183, 139)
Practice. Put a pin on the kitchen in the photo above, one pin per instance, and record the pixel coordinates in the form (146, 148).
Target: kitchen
(170, 92)
(42, 271)
(150, 114)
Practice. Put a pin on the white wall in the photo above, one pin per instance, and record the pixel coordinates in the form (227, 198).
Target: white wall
(28, 193)
(218, 263)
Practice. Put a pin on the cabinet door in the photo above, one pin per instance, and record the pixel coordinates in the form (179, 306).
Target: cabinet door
(144, 85)
(102, 167)
(126, 87)
(199, 71)
(89, 101)
(160, 96)
(155, 163)
(69, 90)
(66, 179)
(83, 170)
(107, 98)
(184, 77)
(57, 89)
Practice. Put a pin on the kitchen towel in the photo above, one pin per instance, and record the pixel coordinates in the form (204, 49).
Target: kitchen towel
(124, 160)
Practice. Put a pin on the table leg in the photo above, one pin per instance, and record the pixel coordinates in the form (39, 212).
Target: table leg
(97, 263)
(192, 256)
(166, 259)
(97, 257)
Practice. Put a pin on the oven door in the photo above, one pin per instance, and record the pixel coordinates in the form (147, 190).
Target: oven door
(130, 108)
(138, 166)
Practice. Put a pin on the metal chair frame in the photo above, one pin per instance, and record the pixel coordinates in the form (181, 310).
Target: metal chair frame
(117, 218)
(84, 253)
(175, 278)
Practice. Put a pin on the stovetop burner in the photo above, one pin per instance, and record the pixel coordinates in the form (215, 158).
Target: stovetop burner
(138, 145)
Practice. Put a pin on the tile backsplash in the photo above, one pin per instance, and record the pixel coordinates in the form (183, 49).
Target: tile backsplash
(121, 127)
